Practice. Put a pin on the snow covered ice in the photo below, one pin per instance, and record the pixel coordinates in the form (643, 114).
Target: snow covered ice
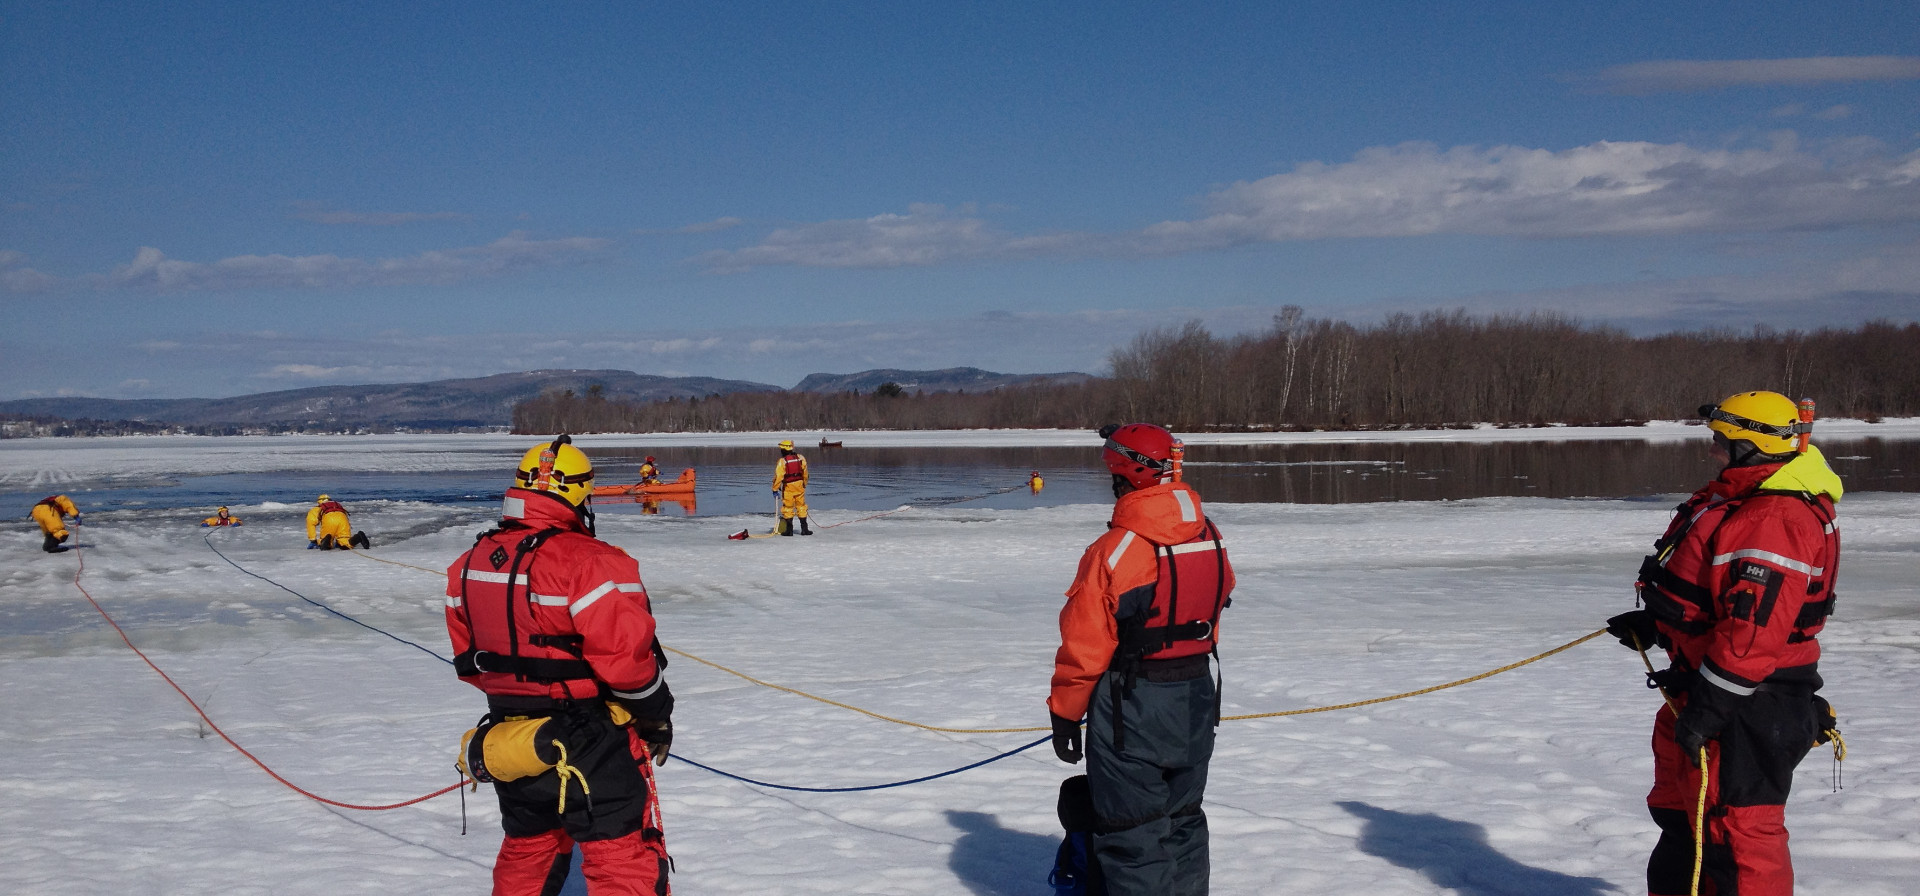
(1530, 782)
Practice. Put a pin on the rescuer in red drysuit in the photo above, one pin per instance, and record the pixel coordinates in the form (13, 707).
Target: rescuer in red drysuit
(1140, 622)
(550, 621)
(1736, 591)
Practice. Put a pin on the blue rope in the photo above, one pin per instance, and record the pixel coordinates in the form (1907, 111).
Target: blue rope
(931, 777)
(208, 537)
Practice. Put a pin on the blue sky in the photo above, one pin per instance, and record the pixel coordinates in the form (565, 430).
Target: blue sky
(207, 199)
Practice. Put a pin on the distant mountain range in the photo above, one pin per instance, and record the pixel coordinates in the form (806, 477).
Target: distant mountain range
(478, 402)
(441, 404)
(952, 379)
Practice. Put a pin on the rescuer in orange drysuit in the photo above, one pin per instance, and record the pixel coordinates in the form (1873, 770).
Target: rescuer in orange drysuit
(48, 514)
(649, 471)
(1140, 622)
(555, 627)
(790, 483)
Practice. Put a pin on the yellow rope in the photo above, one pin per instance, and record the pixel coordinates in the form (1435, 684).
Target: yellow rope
(1700, 826)
(1025, 730)
(1700, 810)
(567, 771)
(357, 551)
(1438, 687)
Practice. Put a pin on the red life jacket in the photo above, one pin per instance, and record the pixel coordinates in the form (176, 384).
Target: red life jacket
(1669, 580)
(508, 651)
(796, 470)
(1188, 597)
(331, 507)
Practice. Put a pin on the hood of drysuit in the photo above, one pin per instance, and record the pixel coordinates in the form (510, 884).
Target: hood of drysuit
(1806, 473)
(540, 510)
(1168, 513)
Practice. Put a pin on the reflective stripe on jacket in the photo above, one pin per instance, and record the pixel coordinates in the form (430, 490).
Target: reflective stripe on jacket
(1119, 569)
(1743, 580)
(572, 601)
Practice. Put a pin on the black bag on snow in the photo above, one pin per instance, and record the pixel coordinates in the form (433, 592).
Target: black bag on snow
(1075, 873)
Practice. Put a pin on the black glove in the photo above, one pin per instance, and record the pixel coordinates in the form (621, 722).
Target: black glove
(658, 733)
(1631, 625)
(1705, 716)
(652, 719)
(1066, 740)
(1690, 736)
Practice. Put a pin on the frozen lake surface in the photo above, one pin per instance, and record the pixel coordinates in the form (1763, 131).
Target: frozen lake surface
(1531, 782)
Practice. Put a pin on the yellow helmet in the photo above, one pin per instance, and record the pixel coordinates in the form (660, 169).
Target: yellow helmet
(786, 444)
(559, 469)
(322, 499)
(1768, 421)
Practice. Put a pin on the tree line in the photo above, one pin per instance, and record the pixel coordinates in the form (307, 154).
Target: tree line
(1437, 369)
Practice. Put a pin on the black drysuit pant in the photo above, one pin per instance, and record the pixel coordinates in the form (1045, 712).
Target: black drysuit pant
(1152, 839)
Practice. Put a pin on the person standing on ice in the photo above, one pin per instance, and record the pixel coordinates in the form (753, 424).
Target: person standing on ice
(790, 483)
(48, 514)
(1736, 592)
(555, 627)
(327, 527)
(1140, 622)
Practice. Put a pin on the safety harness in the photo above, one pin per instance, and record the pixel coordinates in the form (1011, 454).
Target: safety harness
(1667, 595)
(1186, 630)
(547, 670)
(795, 469)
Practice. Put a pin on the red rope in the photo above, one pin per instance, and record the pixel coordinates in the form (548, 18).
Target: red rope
(216, 728)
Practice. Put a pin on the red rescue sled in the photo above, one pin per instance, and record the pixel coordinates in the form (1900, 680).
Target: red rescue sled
(681, 486)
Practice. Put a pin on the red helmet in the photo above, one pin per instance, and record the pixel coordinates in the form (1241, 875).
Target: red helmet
(649, 458)
(1138, 452)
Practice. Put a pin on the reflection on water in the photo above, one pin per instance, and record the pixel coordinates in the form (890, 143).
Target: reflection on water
(739, 480)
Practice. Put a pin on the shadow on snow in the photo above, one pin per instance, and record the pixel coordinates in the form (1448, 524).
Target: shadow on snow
(994, 861)
(1455, 855)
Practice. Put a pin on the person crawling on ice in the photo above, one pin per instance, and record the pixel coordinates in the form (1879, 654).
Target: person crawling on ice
(554, 626)
(1140, 622)
(48, 513)
(1737, 591)
(327, 527)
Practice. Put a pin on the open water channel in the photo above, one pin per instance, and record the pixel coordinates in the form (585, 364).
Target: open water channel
(734, 480)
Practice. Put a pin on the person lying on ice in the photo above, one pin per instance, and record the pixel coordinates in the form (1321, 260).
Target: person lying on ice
(1736, 592)
(327, 527)
(221, 517)
(554, 626)
(48, 514)
(1136, 633)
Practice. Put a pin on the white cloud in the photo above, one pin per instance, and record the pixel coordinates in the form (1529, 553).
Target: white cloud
(927, 234)
(1678, 75)
(1602, 188)
(1834, 113)
(151, 269)
(713, 226)
(310, 211)
(16, 277)
(1417, 189)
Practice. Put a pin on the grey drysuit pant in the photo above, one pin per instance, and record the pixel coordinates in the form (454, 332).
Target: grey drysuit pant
(1146, 794)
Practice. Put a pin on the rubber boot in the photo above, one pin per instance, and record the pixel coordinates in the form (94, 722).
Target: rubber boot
(52, 545)
(786, 526)
(804, 529)
(326, 542)
(359, 540)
